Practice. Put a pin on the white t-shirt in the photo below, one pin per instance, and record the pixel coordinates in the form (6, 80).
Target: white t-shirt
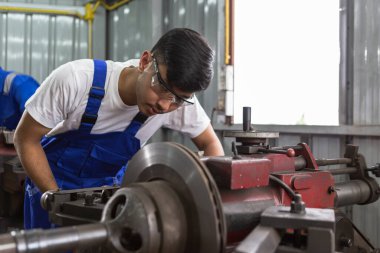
(60, 102)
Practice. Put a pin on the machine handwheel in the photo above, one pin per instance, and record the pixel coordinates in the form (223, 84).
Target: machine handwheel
(189, 178)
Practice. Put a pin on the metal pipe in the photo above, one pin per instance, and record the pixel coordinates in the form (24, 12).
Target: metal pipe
(227, 55)
(339, 171)
(54, 240)
(7, 244)
(87, 13)
(75, 11)
(352, 192)
(246, 119)
(299, 163)
(324, 162)
(115, 5)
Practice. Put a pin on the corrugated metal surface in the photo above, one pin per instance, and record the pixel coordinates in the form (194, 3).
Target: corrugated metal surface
(130, 30)
(366, 62)
(36, 44)
(288, 140)
(366, 103)
(367, 217)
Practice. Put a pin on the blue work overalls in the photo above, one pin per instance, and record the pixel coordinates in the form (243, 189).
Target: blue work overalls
(13, 96)
(79, 159)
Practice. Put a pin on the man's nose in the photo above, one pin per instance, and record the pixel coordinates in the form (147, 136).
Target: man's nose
(164, 105)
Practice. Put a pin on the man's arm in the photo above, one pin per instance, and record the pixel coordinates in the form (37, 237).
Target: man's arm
(209, 142)
(32, 156)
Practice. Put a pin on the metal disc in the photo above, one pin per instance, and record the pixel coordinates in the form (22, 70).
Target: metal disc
(188, 176)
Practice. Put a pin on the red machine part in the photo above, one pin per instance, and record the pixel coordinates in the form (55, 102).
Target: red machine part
(247, 180)
(249, 171)
(314, 186)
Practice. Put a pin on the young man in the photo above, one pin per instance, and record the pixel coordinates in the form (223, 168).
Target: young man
(15, 90)
(96, 114)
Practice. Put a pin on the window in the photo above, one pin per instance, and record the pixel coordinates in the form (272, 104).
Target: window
(286, 57)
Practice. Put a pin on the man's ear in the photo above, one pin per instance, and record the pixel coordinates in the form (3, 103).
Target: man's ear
(145, 59)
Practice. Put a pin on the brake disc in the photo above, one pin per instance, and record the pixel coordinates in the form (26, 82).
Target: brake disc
(181, 169)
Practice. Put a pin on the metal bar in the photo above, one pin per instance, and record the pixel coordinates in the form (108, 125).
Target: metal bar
(340, 171)
(43, 9)
(262, 239)
(325, 162)
(246, 119)
(54, 240)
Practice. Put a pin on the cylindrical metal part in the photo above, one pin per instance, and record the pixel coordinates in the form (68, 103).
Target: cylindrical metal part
(244, 215)
(54, 240)
(339, 171)
(352, 192)
(8, 244)
(246, 119)
(261, 239)
(299, 163)
(324, 162)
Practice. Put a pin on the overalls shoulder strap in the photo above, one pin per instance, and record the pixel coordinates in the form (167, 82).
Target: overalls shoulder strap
(8, 82)
(136, 123)
(96, 95)
(5, 82)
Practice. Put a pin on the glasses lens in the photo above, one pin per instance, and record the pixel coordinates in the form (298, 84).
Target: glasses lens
(163, 89)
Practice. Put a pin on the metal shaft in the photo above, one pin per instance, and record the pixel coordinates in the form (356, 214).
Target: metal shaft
(54, 240)
(324, 162)
(246, 119)
(352, 192)
(348, 170)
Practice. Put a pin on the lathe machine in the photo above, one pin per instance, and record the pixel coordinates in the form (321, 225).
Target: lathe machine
(262, 199)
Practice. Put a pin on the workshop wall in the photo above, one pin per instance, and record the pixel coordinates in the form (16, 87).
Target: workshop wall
(36, 44)
(366, 103)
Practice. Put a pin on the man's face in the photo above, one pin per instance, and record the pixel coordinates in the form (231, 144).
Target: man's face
(154, 95)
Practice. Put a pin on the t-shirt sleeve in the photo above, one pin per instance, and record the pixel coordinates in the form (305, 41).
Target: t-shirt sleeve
(55, 98)
(191, 120)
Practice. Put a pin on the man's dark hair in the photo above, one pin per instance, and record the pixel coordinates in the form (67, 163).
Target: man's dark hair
(188, 57)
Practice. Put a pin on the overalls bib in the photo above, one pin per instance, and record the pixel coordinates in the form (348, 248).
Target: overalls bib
(79, 159)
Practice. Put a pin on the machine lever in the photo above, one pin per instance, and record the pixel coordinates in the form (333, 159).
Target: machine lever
(375, 170)
(289, 152)
(234, 150)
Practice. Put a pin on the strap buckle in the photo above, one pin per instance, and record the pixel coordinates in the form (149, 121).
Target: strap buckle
(89, 118)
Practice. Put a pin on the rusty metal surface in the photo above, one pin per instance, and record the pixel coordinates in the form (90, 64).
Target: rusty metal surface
(239, 173)
(314, 188)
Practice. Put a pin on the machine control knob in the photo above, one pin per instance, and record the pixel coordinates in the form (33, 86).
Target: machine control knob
(297, 205)
(346, 242)
(375, 170)
(290, 152)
